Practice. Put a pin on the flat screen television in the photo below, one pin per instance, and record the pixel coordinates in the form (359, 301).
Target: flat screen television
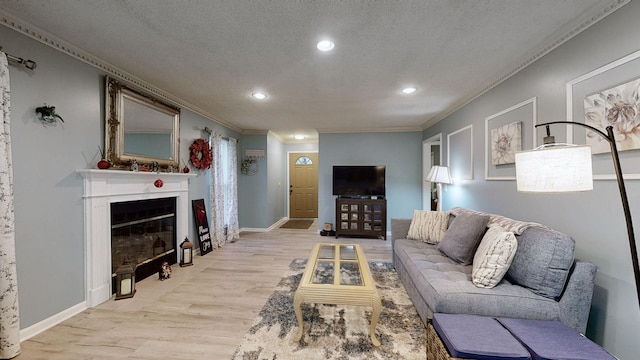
(358, 181)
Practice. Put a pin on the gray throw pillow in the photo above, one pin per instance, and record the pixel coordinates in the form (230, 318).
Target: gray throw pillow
(463, 236)
(543, 261)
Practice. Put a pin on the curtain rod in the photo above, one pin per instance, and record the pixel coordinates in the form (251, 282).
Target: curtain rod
(210, 131)
(29, 64)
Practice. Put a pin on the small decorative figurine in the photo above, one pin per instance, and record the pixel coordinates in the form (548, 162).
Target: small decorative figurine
(134, 165)
(48, 114)
(165, 271)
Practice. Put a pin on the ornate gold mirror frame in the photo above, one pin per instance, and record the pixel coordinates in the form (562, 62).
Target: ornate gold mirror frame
(142, 128)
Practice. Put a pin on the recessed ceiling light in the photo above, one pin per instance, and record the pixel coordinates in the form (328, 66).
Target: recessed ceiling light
(409, 90)
(298, 137)
(259, 95)
(326, 45)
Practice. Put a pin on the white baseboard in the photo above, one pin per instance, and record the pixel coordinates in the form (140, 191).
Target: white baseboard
(37, 328)
(276, 225)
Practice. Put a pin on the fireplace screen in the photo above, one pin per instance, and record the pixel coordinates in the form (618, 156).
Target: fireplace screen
(143, 234)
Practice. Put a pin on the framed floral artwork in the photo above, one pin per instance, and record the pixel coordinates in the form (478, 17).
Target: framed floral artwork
(505, 141)
(607, 95)
(505, 133)
(619, 107)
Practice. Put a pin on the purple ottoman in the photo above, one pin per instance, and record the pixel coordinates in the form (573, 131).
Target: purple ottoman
(552, 340)
(476, 337)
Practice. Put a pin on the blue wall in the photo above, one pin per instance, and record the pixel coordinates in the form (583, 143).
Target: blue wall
(276, 167)
(400, 152)
(252, 192)
(594, 219)
(47, 190)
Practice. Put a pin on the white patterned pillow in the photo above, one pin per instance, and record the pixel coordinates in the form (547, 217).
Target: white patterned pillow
(493, 257)
(428, 226)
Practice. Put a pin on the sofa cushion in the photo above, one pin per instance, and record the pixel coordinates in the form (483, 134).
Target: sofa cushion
(547, 340)
(493, 257)
(477, 337)
(462, 237)
(446, 287)
(543, 261)
(428, 226)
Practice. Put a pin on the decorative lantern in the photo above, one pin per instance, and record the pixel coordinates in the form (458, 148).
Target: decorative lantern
(125, 282)
(186, 249)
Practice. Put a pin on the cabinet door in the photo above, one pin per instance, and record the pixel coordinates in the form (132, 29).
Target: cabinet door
(349, 216)
(372, 216)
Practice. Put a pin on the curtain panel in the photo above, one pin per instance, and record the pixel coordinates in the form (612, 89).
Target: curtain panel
(233, 228)
(218, 237)
(9, 313)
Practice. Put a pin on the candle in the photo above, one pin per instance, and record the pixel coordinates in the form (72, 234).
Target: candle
(187, 256)
(125, 287)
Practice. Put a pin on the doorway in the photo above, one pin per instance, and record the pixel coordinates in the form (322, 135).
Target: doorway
(303, 185)
(431, 155)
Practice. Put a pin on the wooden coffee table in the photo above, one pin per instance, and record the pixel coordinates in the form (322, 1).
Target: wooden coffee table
(338, 274)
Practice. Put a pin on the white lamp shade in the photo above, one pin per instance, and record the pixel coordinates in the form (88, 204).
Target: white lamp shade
(554, 169)
(439, 174)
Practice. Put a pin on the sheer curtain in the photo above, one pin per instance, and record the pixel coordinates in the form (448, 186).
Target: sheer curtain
(9, 314)
(233, 229)
(224, 190)
(216, 182)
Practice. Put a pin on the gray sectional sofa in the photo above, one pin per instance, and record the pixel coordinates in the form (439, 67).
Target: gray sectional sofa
(544, 281)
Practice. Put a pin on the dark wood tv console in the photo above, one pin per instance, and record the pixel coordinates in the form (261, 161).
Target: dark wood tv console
(361, 217)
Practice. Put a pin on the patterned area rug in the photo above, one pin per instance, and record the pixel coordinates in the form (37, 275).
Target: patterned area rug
(336, 332)
(297, 224)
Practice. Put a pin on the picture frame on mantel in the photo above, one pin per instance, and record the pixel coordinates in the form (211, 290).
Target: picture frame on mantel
(578, 90)
(202, 226)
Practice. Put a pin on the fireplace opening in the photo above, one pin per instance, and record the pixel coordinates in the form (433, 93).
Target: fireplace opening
(143, 234)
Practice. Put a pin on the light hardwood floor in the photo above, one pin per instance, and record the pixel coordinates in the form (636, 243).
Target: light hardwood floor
(201, 312)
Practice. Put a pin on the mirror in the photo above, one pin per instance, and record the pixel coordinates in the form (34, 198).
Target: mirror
(141, 128)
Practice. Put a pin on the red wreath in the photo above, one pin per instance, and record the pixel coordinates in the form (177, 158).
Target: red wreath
(201, 155)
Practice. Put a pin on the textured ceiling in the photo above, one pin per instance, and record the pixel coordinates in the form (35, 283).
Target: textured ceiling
(211, 55)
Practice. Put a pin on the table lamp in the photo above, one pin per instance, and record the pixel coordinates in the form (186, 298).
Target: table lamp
(439, 175)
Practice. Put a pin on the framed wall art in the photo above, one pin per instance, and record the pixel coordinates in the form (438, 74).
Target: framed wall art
(460, 153)
(507, 132)
(607, 95)
(618, 106)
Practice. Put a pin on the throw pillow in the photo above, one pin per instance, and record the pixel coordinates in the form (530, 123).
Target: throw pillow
(493, 257)
(543, 261)
(461, 239)
(428, 226)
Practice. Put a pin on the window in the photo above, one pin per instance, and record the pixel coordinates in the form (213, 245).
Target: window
(304, 160)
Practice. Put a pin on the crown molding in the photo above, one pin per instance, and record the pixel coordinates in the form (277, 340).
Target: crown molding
(255, 132)
(61, 45)
(376, 130)
(547, 45)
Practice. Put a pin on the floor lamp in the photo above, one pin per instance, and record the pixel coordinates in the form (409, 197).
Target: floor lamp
(439, 175)
(563, 168)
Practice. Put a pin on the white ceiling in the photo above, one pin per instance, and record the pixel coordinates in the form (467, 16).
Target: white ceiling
(211, 55)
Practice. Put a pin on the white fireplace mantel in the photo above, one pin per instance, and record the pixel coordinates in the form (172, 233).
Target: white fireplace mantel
(103, 187)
